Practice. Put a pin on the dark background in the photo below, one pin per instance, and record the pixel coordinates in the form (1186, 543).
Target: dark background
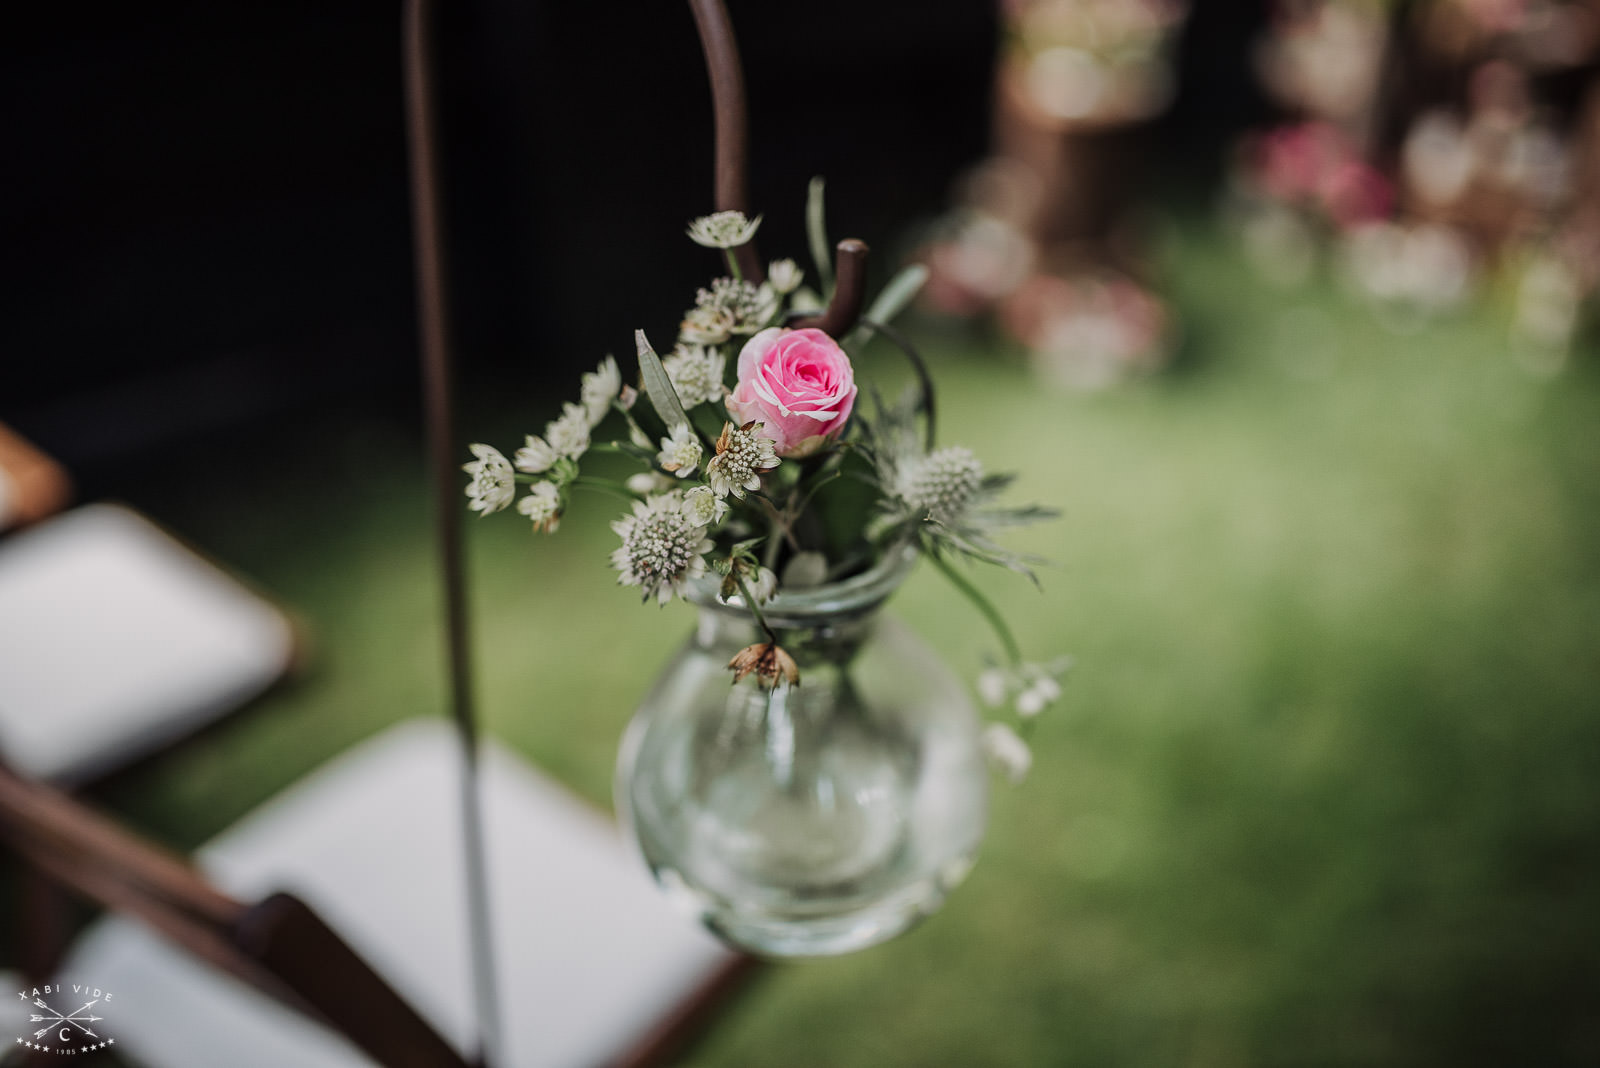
(205, 218)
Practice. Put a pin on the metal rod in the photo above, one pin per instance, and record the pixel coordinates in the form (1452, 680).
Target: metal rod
(433, 326)
(730, 191)
(849, 290)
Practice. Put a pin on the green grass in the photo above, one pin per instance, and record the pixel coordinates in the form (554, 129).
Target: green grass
(1325, 788)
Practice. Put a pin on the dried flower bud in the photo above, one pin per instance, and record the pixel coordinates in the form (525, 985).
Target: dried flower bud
(768, 662)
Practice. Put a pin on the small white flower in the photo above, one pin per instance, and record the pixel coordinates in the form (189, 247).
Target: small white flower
(745, 307)
(493, 482)
(680, 453)
(1041, 691)
(763, 586)
(535, 457)
(785, 275)
(724, 229)
(1033, 687)
(648, 482)
(702, 505)
(742, 456)
(599, 388)
(706, 326)
(992, 687)
(543, 506)
(569, 435)
(941, 484)
(696, 374)
(662, 547)
(1006, 752)
(1030, 703)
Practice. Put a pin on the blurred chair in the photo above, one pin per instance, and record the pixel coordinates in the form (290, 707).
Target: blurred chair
(116, 639)
(594, 967)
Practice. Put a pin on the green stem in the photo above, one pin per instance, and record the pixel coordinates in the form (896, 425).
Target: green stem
(750, 602)
(604, 485)
(733, 265)
(981, 603)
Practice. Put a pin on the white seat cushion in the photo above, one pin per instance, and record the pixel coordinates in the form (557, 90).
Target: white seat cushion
(591, 958)
(115, 639)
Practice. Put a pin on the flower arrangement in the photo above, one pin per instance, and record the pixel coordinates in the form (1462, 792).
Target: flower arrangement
(761, 470)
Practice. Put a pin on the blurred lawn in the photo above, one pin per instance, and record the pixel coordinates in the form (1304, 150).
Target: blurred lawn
(1323, 790)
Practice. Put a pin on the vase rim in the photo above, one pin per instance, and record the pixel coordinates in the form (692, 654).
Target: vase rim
(860, 593)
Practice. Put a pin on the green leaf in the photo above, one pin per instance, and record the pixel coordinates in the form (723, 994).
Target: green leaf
(657, 386)
(817, 234)
(901, 291)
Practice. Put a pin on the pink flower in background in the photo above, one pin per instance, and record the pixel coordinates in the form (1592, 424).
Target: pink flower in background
(1315, 166)
(798, 383)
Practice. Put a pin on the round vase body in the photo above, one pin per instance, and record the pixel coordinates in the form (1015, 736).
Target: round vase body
(811, 819)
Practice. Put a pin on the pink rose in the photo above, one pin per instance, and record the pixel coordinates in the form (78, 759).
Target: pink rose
(799, 383)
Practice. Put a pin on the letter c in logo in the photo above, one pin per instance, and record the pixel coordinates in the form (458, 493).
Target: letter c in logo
(66, 1033)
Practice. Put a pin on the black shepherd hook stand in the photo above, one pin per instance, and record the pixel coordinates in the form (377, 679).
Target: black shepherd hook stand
(434, 329)
(433, 326)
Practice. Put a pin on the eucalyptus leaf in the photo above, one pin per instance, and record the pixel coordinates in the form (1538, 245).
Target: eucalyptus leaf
(900, 292)
(657, 386)
(817, 233)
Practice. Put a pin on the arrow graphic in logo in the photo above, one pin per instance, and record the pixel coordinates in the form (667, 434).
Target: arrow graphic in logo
(75, 1018)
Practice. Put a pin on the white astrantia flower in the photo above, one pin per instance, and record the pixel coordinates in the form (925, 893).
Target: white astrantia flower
(742, 456)
(543, 506)
(785, 276)
(706, 326)
(662, 547)
(680, 453)
(747, 306)
(535, 457)
(941, 484)
(569, 435)
(599, 388)
(704, 506)
(493, 483)
(696, 374)
(647, 482)
(1006, 752)
(724, 229)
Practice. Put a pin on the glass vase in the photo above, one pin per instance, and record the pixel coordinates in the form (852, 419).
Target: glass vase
(812, 819)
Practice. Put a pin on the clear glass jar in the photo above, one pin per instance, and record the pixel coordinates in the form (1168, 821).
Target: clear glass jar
(814, 819)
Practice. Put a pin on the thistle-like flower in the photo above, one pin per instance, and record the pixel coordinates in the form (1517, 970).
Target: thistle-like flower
(703, 506)
(742, 456)
(599, 388)
(680, 453)
(696, 374)
(768, 662)
(536, 456)
(724, 229)
(493, 482)
(569, 435)
(941, 484)
(662, 547)
(543, 506)
(1006, 752)
(785, 276)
